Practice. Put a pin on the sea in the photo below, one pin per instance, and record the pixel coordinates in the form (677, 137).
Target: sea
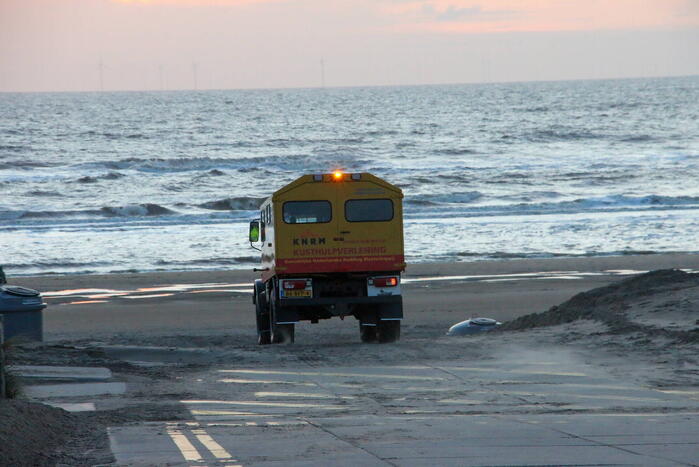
(166, 181)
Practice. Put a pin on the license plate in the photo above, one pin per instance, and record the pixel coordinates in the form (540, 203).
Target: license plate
(297, 293)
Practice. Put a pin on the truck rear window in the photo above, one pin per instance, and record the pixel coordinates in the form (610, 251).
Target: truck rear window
(369, 210)
(307, 212)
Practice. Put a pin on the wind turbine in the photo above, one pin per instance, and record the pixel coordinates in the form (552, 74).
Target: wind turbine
(100, 69)
(322, 72)
(160, 75)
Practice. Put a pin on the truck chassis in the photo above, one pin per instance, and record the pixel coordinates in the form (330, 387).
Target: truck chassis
(379, 316)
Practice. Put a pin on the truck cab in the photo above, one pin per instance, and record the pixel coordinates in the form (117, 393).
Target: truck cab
(331, 245)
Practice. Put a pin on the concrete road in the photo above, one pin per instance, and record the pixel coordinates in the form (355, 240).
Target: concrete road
(536, 407)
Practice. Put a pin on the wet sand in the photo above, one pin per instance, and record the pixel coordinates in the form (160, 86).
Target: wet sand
(436, 295)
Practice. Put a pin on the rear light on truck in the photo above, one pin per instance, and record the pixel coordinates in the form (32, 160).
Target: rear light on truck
(384, 281)
(295, 284)
(295, 288)
(337, 176)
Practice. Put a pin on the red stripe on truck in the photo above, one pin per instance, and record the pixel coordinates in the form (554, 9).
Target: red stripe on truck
(341, 264)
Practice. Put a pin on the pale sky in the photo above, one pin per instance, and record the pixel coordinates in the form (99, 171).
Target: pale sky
(58, 45)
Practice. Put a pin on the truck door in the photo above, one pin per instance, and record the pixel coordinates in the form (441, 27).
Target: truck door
(369, 226)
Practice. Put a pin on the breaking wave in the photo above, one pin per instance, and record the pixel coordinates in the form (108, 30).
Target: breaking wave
(24, 164)
(131, 210)
(470, 204)
(114, 136)
(180, 164)
(545, 254)
(562, 134)
(208, 262)
(297, 163)
(243, 203)
(51, 264)
(41, 193)
(460, 198)
(455, 151)
(451, 205)
(147, 209)
(109, 176)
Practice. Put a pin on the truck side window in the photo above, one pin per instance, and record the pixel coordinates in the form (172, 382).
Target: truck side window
(307, 212)
(368, 210)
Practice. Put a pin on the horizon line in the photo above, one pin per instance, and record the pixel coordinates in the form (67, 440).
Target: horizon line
(289, 88)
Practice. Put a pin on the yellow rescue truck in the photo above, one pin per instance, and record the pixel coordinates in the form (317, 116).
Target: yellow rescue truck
(331, 245)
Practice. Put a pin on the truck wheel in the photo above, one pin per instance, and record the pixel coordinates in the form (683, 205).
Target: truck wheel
(367, 333)
(263, 333)
(263, 338)
(389, 331)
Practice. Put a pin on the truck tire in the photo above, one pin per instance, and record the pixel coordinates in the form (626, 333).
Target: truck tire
(263, 332)
(367, 333)
(261, 315)
(388, 331)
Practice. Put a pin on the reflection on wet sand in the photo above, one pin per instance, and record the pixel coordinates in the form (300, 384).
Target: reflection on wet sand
(96, 296)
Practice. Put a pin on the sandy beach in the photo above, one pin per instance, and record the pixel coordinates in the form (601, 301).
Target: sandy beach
(181, 350)
(436, 295)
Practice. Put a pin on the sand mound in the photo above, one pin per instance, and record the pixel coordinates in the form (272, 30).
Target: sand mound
(663, 302)
(30, 433)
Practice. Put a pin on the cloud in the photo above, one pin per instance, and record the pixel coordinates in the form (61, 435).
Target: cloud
(479, 16)
(688, 8)
(197, 2)
(465, 14)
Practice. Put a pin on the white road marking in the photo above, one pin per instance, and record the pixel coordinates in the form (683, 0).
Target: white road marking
(262, 381)
(74, 407)
(294, 394)
(587, 396)
(227, 412)
(521, 372)
(260, 424)
(266, 404)
(343, 375)
(681, 392)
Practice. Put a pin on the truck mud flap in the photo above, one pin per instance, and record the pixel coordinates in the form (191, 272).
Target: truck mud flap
(391, 311)
(285, 315)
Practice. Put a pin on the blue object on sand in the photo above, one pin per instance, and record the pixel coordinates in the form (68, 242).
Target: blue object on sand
(21, 310)
(473, 326)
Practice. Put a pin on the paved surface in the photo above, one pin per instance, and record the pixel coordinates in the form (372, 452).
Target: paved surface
(72, 373)
(47, 382)
(556, 411)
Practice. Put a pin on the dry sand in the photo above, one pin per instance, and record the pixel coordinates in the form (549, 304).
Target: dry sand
(652, 318)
